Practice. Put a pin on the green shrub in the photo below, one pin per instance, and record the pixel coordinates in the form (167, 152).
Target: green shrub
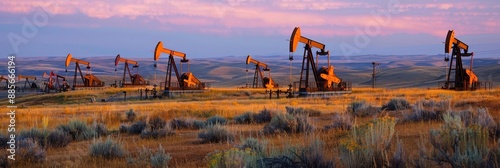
(216, 133)
(216, 120)
(58, 138)
(108, 149)
(397, 104)
(362, 109)
(288, 124)
(78, 130)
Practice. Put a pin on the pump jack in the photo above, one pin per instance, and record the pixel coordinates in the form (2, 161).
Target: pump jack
(53, 82)
(89, 80)
(267, 82)
(186, 81)
(324, 77)
(465, 79)
(27, 83)
(135, 79)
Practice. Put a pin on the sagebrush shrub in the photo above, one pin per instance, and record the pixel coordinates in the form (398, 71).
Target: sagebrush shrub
(458, 145)
(368, 145)
(100, 129)
(137, 127)
(253, 144)
(288, 124)
(4, 138)
(302, 111)
(35, 134)
(264, 116)
(58, 138)
(216, 133)
(419, 112)
(156, 123)
(78, 130)
(341, 121)
(160, 159)
(234, 157)
(198, 124)
(397, 104)
(123, 128)
(245, 118)
(362, 109)
(216, 120)
(131, 115)
(157, 133)
(108, 149)
(28, 150)
(310, 156)
(187, 123)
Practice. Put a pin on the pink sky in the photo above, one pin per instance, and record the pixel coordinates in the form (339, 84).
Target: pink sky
(261, 18)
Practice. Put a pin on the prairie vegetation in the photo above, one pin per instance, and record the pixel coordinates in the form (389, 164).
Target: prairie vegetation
(237, 128)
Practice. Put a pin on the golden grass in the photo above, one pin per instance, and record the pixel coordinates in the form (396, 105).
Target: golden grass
(185, 147)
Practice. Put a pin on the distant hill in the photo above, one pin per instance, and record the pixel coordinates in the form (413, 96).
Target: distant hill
(395, 71)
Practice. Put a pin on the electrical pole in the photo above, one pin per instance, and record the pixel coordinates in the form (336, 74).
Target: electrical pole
(375, 64)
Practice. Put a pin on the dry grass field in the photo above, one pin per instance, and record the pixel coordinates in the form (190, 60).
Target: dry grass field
(341, 131)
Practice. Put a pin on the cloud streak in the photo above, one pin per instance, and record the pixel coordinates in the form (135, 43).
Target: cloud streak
(324, 17)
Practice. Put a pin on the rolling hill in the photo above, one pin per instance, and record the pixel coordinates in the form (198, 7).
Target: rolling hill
(395, 71)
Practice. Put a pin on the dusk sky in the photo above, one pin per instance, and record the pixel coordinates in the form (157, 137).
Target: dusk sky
(214, 28)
